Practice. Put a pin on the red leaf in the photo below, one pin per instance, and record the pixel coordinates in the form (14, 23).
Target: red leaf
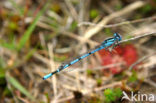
(124, 54)
(130, 55)
(119, 50)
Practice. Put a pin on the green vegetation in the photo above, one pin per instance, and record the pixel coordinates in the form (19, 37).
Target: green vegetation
(18, 86)
(112, 94)
(133, 77)
(28, 27)
(93, 13)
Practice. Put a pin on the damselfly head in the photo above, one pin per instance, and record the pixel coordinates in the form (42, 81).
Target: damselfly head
(118, 36)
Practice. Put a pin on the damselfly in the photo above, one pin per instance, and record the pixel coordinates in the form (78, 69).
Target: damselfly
(105, 44)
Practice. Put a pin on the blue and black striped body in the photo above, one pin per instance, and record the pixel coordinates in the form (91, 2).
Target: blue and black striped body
(107, 43)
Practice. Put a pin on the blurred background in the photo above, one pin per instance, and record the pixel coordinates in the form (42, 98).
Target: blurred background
(37, 36)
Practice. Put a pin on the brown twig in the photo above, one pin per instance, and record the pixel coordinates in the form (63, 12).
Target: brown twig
(92, 31)
(52, 66)
(118, 24)
(140, 60)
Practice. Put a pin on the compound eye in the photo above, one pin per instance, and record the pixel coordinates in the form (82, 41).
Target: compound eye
(118, 38)
(115, 34)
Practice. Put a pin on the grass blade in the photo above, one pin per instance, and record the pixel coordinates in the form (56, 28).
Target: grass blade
(18, 86)
(31, 28)
(10, 46)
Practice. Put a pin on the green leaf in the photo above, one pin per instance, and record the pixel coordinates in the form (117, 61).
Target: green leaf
(89, 71)
(117, 92)
(13, 25)
(112, 94)
(2, 73)
(109, 95)
(133, 77)
(18, 86)
(73, 26)
(31, 28)
(10, 46)
(99, 81)
(147, 8)
(94, 13)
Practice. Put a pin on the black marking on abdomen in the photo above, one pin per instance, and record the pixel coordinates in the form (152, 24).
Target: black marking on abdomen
(89, 53)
